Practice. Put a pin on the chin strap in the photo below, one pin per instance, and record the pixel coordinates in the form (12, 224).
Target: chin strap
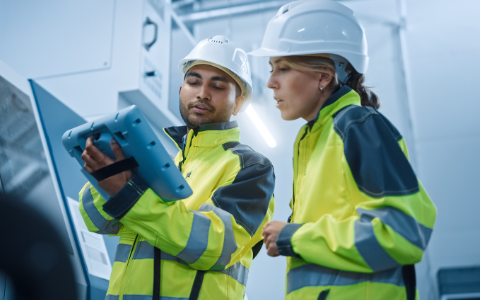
(347, 79)
(341, 64)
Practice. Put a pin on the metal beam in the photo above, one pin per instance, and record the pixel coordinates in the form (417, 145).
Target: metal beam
(231, 11)
(180, 4)
(180, 23)
(379, 20)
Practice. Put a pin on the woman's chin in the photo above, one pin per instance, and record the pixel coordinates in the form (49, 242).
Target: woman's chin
(287, 116)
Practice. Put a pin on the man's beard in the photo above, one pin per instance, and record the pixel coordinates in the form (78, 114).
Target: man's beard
(184, 111)
(221, 116)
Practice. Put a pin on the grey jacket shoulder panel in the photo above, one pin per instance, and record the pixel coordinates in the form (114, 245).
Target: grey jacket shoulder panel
(377, 162)
(248, 197)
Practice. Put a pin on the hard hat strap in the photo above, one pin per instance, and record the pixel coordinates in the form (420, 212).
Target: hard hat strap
(340, 66)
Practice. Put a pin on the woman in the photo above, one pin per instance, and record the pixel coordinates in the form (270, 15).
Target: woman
(360, 218)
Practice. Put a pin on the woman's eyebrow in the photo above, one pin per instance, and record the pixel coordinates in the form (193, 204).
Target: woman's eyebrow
(276, 61)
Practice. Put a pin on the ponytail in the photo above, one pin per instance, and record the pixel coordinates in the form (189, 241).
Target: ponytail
(367, 97)
(320, 63)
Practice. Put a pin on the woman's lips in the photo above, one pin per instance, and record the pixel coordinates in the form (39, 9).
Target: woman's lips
(279, 103)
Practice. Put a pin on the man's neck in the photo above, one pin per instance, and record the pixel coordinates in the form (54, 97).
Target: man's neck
(188, 127)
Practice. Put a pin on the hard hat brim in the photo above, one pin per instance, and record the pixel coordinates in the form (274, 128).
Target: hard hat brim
(262, 52)
(359, 62)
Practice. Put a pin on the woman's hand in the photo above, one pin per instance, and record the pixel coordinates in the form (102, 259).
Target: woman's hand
(95, 159)
(270, 235)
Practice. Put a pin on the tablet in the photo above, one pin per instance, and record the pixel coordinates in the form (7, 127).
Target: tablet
(144, 153)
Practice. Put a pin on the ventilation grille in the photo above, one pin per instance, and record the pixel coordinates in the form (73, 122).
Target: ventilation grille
(218, 39)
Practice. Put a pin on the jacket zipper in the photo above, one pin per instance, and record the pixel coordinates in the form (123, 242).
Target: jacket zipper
(298, 157)
(183, 158)
(128, 264)
(180, 164)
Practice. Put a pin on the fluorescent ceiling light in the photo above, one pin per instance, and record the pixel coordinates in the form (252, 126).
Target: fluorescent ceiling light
(260, 126)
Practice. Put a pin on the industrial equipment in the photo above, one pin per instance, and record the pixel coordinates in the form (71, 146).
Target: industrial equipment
(34, 167)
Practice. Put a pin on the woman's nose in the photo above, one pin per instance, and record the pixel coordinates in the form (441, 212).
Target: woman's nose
(272, 83)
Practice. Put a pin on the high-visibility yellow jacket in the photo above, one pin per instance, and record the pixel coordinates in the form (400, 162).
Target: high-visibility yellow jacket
(359, 211)
(213, 230)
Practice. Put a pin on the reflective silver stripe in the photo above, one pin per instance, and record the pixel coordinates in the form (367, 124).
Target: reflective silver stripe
(112, 297)
(112, 227)
(149, 297)
(229, 243)
(122, 252)
(403, 224)
(166, 256)
(104, 226)
(198, 240)
(315, 275)
(143, 251)
(238, 272)
(370, 249)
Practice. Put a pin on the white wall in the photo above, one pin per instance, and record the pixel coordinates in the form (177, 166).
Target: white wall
(443, 50)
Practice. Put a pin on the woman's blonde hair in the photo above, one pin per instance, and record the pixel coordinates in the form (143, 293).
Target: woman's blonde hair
(313, 63)
(321, 63)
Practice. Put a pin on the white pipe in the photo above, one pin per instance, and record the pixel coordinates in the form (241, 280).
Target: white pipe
(230, 11)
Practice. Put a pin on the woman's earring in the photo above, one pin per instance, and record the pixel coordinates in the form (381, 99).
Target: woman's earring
(321, 89)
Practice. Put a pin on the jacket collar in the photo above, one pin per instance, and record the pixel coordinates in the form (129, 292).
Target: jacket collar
(205, 135)
(342, 97)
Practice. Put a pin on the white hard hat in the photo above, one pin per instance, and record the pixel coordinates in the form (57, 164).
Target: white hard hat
(222, 53)
(317, 26)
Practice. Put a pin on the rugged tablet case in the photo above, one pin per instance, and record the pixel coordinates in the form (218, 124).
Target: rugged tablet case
(137, 139)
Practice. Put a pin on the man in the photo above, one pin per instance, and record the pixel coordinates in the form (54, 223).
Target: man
(208, 240)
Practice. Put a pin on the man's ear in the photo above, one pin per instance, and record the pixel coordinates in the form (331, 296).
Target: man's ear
(179, 90)
(238, 104)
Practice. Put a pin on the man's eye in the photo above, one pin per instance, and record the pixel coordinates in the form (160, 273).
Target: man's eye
(218, 87)
(192, 82)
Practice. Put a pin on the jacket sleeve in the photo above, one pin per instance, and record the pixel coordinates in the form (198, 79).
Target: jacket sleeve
(93, 215)
(393, 217)
(216, 235)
